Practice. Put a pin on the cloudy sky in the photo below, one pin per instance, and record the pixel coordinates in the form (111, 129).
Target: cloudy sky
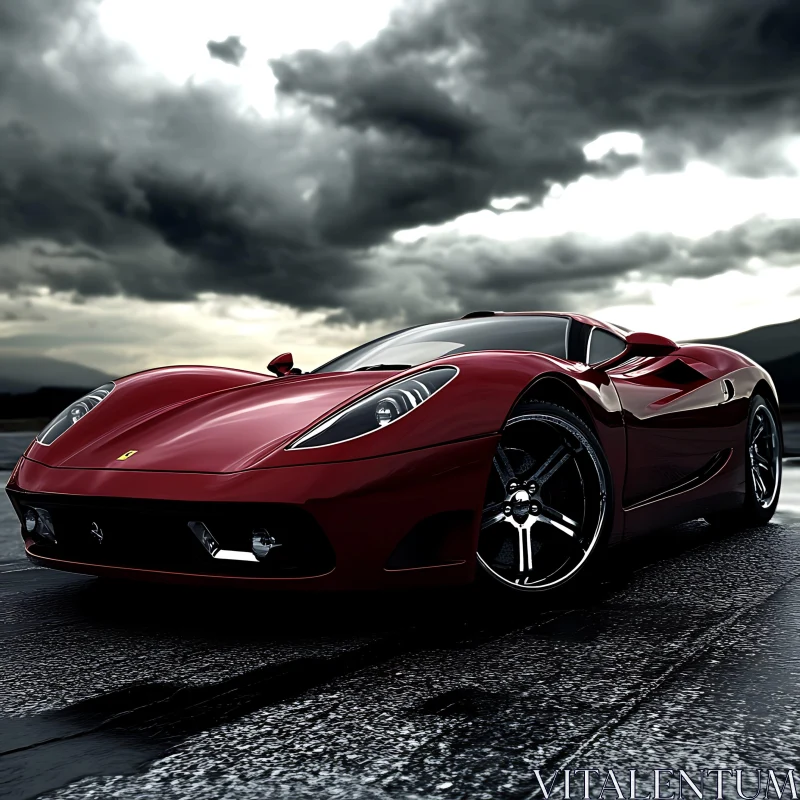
(194, 182)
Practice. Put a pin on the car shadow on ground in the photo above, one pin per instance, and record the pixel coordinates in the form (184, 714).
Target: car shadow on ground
(273, 615)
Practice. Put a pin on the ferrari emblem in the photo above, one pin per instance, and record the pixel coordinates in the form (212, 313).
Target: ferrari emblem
(126, 456)
(97, 532)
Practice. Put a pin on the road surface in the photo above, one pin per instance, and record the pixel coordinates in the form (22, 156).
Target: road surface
(686, 656)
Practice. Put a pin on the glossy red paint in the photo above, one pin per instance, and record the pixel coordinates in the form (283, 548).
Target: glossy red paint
(211, 434)
(282, 364)
(641, 345)
(226, 430)
(650, 344)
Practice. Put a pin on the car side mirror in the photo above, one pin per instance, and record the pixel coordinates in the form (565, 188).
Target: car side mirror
(649, 344)
(641, 344)
(282, 364)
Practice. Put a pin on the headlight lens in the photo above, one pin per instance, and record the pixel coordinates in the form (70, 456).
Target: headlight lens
(73, 413)
(377, 410)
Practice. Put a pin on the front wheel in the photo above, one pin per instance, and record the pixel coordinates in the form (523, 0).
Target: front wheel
(547, 508)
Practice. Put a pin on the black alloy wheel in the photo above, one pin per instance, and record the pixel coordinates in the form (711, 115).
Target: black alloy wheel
(763, 469)
(548, 502)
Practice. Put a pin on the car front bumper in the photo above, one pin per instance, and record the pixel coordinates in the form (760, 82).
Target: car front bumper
(403, 520)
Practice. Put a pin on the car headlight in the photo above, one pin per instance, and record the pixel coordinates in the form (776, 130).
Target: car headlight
(73, 413)
(378, 409)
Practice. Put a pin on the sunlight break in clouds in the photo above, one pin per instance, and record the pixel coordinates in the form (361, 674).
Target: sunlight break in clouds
(170, 37)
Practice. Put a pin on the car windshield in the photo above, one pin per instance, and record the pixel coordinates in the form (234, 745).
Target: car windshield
(407, 348)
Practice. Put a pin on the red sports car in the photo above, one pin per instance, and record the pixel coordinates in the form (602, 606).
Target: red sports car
(512, 446)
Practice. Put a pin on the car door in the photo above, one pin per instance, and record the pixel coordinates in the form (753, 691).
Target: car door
(674, 428)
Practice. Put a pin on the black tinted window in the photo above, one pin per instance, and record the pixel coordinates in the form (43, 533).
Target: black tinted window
(427, 342)
(604, 345)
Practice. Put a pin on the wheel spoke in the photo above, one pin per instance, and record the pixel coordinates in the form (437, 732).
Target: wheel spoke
(759, 430)
(556, 519)
(528, 534)
(522, 548)
(762, 462)
(760, 488)
(554, 462)
(492, 514)
(525, 549)
(503, 466)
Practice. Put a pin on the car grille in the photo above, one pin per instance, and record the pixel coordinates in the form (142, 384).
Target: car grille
(155, 534)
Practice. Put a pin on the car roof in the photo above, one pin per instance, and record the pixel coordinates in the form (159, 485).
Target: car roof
(595, 323)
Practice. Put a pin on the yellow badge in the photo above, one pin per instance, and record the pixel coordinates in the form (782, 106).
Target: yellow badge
(126, 456)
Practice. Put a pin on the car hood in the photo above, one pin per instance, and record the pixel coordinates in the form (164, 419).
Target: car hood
(223, 431)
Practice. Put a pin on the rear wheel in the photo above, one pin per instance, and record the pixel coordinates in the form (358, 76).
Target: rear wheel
(547, 507)
(762, 469)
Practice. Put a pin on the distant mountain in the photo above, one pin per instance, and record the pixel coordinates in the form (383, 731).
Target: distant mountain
(767, 344)
(20, 374)
(777, 349)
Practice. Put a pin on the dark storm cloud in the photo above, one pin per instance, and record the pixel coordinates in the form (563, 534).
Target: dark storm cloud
(425, 155)
(548, 76)
(161, 196)
(450, 274)
(160, 236)
(165, 192)
(231, 50)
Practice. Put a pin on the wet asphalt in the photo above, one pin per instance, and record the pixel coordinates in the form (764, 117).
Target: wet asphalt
(685, 655)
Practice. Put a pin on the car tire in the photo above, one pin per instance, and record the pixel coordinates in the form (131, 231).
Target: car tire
(548, 504)
(763, 470)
